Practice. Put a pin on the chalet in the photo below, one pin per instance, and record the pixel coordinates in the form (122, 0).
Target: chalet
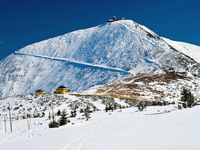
(62, 90)
(39, 92)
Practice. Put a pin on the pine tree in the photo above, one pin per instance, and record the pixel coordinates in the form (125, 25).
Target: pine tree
(58, 112)
(49, 116)
(63, 119)
(187, 98)
(53, 124)
(87, 113)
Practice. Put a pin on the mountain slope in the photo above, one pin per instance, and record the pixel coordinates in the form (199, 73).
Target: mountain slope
(150, 87)
(90, 57)
(188, 49)
(25, 74)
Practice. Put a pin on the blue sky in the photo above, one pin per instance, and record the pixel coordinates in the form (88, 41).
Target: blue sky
(23, 22)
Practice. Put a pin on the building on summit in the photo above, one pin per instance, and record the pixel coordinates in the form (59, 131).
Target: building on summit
(113, 19)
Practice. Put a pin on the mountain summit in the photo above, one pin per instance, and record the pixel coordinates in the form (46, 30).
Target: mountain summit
(91, 57)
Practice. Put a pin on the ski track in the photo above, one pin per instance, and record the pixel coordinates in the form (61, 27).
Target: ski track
(77, 63)
(81, 141)
(93, 133)
(72, 143)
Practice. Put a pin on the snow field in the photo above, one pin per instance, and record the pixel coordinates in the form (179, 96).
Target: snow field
(155, 128)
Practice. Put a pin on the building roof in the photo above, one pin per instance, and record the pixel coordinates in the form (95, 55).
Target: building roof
(39, 90)
(113, 19)
(61, 87)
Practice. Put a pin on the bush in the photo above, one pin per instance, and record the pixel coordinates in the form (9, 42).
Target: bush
(81, 110)
(73, 113)
(111, 107)
(142, 105)
(43, 114)
(53, 124)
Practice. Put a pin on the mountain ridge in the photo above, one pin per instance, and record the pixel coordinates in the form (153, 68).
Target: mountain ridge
(91, 57)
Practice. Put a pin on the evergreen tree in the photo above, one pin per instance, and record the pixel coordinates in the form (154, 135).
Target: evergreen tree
(87, 114)
(58, 112)
(49, 116)
(63, 119)
(187, 98)
(53, 124)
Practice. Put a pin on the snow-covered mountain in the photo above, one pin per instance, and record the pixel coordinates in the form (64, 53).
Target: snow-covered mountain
(90, 57)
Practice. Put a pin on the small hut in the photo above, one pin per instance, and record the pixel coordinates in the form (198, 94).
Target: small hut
(39, 92)
(62, 90)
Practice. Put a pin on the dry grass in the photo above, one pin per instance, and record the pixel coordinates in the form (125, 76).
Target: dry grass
(134, 87)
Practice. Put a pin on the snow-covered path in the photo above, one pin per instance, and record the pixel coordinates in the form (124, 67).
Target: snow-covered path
(152, 129)
(77, 63)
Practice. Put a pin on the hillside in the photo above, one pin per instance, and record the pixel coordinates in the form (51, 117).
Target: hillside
(150, 87)
(90, 57)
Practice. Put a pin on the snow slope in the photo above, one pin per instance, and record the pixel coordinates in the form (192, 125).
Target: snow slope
(25, 74)
(156, 128)
(188, 49)
(90, 57)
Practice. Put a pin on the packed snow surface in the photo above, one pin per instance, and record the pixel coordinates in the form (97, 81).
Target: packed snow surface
(157, 128)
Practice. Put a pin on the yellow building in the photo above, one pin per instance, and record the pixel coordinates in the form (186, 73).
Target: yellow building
(39, 92)
(62, 90)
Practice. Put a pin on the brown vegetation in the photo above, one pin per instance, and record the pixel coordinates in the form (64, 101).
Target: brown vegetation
(140, 87)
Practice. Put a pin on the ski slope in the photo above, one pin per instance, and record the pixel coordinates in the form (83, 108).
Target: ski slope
(157, 128)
